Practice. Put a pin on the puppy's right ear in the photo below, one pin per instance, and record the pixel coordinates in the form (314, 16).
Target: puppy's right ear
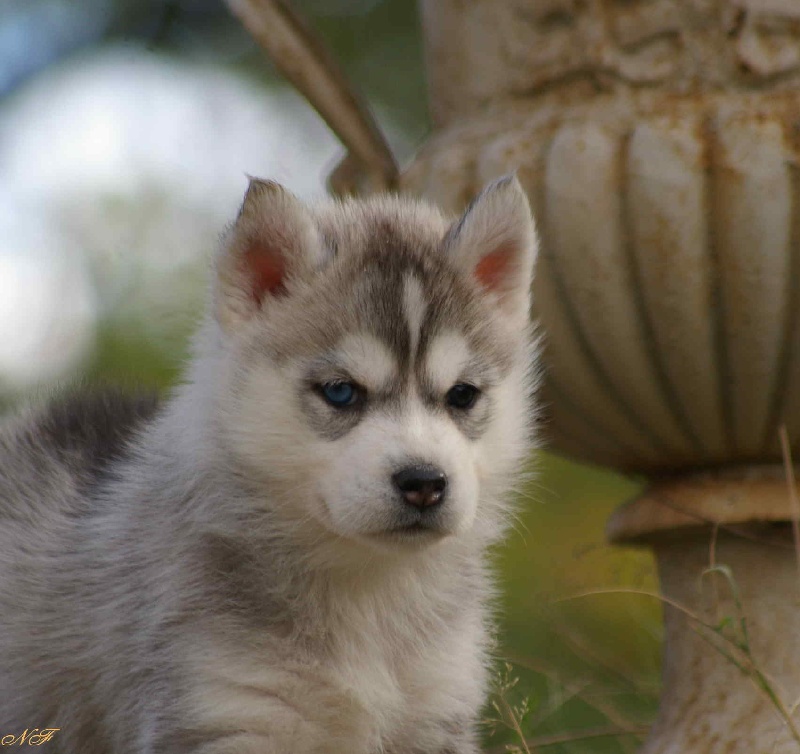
(273, 240)
(495, 240)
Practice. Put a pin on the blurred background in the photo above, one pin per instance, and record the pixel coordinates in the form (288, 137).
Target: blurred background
(127, 128)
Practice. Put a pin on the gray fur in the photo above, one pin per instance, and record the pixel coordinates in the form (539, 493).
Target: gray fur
(186, 579)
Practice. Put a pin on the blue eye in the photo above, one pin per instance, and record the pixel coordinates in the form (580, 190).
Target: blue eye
(462, 396)
(339, 394)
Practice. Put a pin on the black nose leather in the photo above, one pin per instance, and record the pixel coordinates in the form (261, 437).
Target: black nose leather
(421, 486)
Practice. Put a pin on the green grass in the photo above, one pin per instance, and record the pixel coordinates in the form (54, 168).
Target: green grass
(577, 676)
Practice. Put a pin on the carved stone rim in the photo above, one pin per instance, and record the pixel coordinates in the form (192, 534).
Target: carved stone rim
(729, 497)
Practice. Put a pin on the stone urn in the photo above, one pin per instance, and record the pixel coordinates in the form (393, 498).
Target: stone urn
(659, 142)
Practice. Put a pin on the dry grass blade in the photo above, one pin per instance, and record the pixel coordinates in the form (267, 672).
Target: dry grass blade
(737, 650)
(540, 742)
(586, 652)
(581, 688)
(522, 720)
(786, 450)
(516, 724)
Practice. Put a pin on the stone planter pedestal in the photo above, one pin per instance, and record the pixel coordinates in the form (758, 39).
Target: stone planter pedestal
(738, 578)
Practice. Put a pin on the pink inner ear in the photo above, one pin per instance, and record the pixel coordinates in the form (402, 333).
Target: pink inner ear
(265, 269)
(494, 270)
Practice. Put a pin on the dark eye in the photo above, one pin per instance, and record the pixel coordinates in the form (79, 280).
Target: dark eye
(339, 394)
(462, 396)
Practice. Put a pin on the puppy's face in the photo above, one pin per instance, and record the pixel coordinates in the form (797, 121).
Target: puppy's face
(378, 361)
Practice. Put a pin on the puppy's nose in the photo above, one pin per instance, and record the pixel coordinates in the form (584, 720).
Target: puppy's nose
(422, 486)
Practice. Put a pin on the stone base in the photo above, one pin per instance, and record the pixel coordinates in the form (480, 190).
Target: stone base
(709, 705)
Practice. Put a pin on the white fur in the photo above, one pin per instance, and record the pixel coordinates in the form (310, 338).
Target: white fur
(448, 357)
(368, 360)
(414, 307)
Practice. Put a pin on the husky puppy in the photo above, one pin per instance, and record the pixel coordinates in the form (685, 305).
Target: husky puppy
(287, 556)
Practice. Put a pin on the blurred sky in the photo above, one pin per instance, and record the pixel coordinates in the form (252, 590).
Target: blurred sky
(127, 130)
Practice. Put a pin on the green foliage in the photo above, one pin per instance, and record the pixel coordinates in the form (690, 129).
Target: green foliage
(574, 676)
(125, 355)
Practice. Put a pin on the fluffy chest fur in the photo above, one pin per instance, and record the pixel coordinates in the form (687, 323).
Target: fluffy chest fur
(400, 668)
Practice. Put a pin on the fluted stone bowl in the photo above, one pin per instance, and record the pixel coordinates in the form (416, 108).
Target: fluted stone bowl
(667, 286)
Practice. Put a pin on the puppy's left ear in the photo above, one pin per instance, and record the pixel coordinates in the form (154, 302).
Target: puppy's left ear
(495, 240)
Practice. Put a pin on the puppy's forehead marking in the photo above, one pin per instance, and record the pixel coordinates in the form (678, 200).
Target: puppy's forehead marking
(414, 307)
(448, 355)
(368, 359)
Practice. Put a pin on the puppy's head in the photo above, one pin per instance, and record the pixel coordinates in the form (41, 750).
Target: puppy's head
(376, 361)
